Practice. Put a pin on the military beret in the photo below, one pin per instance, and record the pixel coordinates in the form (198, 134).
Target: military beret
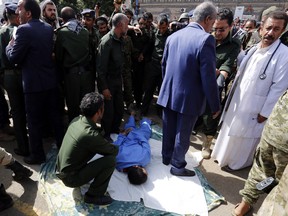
(88, 13)
(12, 7)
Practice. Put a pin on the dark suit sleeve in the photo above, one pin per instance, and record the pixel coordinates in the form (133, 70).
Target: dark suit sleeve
(208, 73)
(17, 53)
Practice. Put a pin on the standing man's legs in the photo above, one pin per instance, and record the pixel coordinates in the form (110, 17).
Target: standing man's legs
(35, 104)
(52, 104)
(13, 85)
(169, 134)
(185, 124)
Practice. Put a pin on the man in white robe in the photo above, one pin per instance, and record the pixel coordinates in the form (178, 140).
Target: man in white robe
(261, 79)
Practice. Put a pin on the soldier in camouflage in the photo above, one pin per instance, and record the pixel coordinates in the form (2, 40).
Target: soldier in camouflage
(271, 155)
(276, 202)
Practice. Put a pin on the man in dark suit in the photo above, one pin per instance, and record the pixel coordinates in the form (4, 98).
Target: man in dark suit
(189, 78)
(32, 50)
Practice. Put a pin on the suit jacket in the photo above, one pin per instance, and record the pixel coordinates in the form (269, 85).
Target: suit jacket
(32, 50)
(188, 68)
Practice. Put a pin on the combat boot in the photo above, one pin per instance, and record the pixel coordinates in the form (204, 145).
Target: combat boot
(206, 146)
(5, 199)
(20, 172)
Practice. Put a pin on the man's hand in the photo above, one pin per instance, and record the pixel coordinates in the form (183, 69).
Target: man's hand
(225, 74)
(137, 30)
(11, 42)
(261, 118)
(107, 95)
(140, 57)
(216, 114)
(117, 6)
(127, 131)
(217, 72)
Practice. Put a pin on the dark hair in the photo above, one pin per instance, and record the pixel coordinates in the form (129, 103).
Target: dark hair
(225, 14)
(33, 7)
(252, 21)
(136, 175)
(141, 16)
(277, 15)
(163, 18)
(67, 13)
(91, 103)
(5, 16)
(128, 11)
(148, 15)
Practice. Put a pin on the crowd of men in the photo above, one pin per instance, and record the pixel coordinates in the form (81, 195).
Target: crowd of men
(50, 63)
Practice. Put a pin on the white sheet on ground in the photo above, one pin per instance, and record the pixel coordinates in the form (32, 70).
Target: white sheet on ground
(163, 191)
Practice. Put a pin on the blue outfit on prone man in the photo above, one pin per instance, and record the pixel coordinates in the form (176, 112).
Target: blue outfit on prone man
(134, 149)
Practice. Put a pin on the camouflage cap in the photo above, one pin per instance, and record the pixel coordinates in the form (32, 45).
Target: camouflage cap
(269, 10)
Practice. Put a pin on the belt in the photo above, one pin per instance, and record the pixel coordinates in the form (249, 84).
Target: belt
(12, 71)
(77, 70)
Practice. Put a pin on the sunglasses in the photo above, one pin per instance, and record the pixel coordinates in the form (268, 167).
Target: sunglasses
(220, 29)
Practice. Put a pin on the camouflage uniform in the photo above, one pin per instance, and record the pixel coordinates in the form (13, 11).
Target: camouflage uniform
(276, 202)
(251, 39)
(271, 155)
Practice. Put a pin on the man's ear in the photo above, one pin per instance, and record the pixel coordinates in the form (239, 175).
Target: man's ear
(29, 14)
(207, 19)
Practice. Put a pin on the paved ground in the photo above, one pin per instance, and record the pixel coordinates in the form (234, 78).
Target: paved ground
(29, 201)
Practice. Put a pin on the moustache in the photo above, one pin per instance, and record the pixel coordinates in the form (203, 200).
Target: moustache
(268, 37)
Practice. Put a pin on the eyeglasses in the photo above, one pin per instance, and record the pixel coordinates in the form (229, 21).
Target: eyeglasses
(223, 29)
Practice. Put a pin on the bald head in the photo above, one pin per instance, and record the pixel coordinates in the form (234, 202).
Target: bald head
(68, 13)
(118, 19)
(120, 24)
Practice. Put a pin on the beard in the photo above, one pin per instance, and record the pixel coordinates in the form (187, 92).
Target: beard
(52, 18)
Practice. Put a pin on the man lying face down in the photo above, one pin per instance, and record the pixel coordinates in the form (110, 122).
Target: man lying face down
(134, 150)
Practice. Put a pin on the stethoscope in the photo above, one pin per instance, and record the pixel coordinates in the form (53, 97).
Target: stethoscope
(263, 75)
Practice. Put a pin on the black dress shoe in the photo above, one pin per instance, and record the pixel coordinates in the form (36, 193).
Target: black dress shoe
(98, 200)
(182, 172)
(5, 199)
(166, 161)
(30, 160)
(21, 152)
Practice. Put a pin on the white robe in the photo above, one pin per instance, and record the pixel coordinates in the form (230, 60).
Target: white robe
(240, 132)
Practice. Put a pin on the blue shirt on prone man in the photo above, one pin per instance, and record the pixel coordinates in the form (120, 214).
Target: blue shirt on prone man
(134, 149)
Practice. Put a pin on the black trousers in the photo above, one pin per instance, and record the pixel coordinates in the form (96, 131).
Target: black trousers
(152, 80)
(4, 112)
(114, 108)
(13, 86)
(100, 171)
(38, 105)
